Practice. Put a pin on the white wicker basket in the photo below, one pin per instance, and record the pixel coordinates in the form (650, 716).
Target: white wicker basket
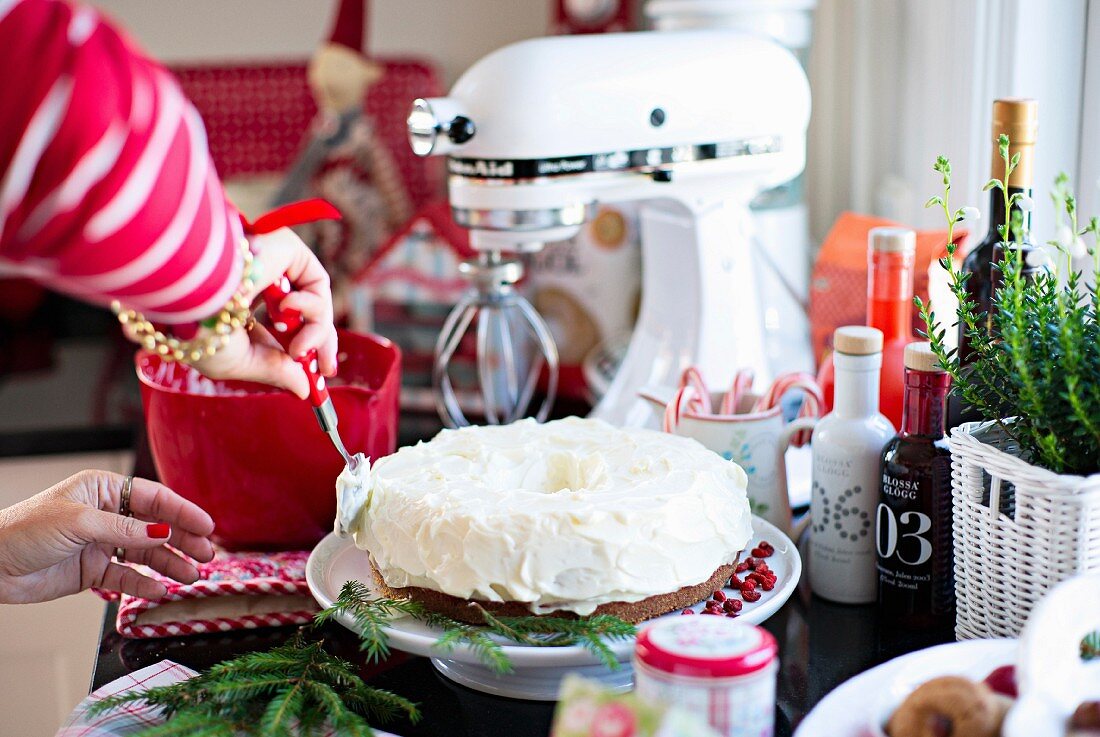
(1018, 530)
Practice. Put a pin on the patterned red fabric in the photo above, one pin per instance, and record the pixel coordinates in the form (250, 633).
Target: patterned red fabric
(229, 574)
(107, 191)
(258, 116)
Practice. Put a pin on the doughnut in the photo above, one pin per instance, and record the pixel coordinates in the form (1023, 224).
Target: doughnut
(949, 706)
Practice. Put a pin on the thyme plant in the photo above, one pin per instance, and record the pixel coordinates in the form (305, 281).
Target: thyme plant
(1036, 366)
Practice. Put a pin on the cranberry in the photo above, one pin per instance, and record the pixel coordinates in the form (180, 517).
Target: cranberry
(751, 563)
(712, 611)
(741, 567)
(748, 585)
(764, 581)
(1003, 681)
(732, 606)
(687, 611)
(735, 582)
(719, 595)
(767, 585)
(750, 595)
(763, 550)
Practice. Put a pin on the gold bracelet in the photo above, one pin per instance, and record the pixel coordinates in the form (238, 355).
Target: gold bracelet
(235, 314)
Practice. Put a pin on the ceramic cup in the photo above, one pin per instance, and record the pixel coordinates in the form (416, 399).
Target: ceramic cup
(757, 441)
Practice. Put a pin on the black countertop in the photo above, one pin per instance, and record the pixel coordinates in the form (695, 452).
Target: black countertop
(820, 646)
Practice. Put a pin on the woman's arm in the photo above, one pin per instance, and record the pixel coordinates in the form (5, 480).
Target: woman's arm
(108, 193)
(108, 189)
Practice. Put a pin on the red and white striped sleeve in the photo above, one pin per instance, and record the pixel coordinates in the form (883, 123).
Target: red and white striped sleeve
(107, 190)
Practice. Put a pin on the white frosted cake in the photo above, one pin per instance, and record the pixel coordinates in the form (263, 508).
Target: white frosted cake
(573, 516)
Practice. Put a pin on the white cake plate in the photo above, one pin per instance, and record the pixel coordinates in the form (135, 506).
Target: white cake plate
(538, 670)
(861, 706)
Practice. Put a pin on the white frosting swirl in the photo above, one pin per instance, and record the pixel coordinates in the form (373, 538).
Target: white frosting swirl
(351, 493)
(564, 515)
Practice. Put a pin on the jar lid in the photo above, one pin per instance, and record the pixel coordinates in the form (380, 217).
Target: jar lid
(705, 647)
(893, 240)
(919, 357)
(857, 340)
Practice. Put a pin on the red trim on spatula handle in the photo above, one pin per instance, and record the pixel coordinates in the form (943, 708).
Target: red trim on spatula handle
(285, 324)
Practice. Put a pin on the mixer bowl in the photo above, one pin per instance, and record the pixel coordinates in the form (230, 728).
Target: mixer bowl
(253, 456)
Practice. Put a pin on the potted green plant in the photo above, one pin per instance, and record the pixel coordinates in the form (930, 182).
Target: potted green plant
(1025, 483)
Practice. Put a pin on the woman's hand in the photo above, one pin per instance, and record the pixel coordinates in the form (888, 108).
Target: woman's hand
(253, 354)
(61, 541)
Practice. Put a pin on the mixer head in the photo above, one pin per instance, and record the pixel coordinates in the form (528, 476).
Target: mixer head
(538, 133)
(514, 345)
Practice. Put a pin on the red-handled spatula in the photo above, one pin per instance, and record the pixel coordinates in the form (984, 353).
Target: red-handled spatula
(285, 324)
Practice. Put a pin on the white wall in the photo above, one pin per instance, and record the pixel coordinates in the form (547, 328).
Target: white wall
(454, 33)
(897, 82)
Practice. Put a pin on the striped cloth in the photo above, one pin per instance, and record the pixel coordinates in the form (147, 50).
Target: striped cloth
(107, 190)
(235, 591)
(132, 718)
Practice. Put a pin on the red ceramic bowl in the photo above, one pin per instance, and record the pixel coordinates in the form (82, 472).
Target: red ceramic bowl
(254, 457)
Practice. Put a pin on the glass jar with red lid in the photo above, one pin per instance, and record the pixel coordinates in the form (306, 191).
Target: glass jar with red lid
(715, 666)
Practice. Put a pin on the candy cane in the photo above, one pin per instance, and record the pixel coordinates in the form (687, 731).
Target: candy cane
(812, 403)
(742, 383)
(694, 390)
(692, 377)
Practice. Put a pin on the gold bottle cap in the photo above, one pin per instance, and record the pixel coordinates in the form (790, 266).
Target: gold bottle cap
(857, 340)
(1019, 120)
(919, 357)
(893, 240)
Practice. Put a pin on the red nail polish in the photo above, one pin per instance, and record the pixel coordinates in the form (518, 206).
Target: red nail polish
(160, 530)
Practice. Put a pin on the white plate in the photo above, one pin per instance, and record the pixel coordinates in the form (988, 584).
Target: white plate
(860, 706)
(538, 670)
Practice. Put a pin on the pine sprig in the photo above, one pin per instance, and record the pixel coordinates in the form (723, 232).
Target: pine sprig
(590, 633)
(289, 691)
(1036, 359)
(372, 614)
(298, 688)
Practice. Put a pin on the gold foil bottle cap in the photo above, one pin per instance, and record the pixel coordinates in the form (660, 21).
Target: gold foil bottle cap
(893, 240)
(1019, 120)
(919, 357)
(857, 340)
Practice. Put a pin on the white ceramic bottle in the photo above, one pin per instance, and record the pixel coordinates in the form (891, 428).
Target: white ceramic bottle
(847, 449)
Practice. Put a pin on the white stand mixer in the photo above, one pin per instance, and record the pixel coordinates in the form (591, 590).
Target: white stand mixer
(693, 124)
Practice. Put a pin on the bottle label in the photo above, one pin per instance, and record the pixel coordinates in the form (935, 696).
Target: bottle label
(842, 540)
(904, 543)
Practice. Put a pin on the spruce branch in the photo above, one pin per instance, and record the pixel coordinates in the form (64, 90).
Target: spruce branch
(290, 691)
(372, 615)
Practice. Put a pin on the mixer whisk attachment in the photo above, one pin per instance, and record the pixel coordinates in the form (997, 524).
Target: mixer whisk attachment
(513, 346)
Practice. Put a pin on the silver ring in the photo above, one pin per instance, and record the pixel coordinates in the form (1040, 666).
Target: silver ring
(124, 499)
(120, 555)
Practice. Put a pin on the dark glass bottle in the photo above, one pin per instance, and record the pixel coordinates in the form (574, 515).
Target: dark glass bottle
(913, 520)
(1018, 119)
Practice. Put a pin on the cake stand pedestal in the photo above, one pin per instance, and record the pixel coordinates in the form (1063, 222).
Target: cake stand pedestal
(533, 684)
